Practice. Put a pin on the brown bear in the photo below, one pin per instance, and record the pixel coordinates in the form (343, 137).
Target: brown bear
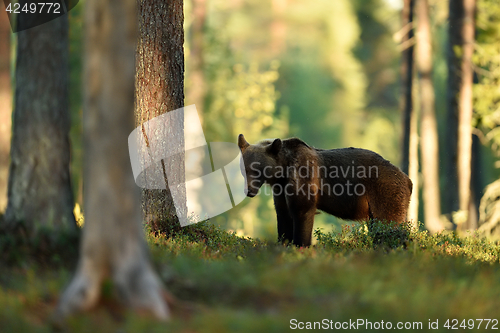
(349, 183)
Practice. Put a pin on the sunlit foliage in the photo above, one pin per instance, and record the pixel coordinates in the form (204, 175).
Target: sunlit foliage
(242, 100)
(487, 60)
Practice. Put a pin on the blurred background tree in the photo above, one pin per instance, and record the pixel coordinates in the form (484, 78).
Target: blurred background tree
(458, 161)
(429, 136)
(409, 138)
(487, 104)
(5, 107)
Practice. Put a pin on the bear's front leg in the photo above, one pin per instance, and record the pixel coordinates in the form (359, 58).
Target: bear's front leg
(285, 222)
(302, 212)
(303, 222)
(302, 208)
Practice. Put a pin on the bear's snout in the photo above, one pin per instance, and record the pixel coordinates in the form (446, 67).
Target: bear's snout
(249, 193)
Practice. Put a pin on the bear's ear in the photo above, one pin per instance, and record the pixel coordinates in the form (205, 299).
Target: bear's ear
(242, 143)
(275, 147)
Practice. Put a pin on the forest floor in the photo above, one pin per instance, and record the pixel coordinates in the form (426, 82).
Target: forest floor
(220, 282)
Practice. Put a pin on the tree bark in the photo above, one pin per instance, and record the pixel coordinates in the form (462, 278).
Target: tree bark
(465, 114)
(429, 140)
(409, 161)
(453, 92)
(407, 80)
(159, 89)
(113, 245)
(459, 113)
(39, 190)
(413, 171)
(476, 183)
(5, 108)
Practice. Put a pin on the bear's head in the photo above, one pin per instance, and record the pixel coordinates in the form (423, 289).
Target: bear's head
(258, 163)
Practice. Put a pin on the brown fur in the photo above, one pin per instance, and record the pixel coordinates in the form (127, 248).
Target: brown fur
(385, 196)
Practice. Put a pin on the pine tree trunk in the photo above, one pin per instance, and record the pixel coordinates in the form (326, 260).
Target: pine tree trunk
(159, 89)
(5, 108)
(476, 182)
(113, 245)
(39, 191)
(409, 161)
(453, 92)
(465, 114)
(413, 171)
(407, 80)
(459, 113)
(429, 140)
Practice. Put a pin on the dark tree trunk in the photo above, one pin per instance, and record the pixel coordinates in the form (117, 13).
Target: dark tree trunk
(429, 146)
(407, 80)
(409, 160)
(39, 191)
(459, 111)
(413, 171)
(455, 15)
(476, 182)
(113, 245)
(5, 108)
(160, 88)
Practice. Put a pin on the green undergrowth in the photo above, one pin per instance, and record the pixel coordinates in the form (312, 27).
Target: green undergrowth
(381, 236)
(20, 245)
(235, 284)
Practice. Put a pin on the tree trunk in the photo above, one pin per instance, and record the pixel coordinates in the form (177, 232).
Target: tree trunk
(409, 161)
(113, 245)
(459, 113)
(465, 114)
(39, 191)
(453, 92)
(159, 89)
(407, 80)
(5, 108)
(429, 140)
(413, 171)
(476, 183)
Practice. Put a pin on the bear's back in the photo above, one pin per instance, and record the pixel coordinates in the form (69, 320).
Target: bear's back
(347, 155)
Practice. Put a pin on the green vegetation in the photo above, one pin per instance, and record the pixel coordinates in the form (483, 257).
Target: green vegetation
(225, 283)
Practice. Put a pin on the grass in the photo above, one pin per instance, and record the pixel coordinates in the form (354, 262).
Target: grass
(233, 284)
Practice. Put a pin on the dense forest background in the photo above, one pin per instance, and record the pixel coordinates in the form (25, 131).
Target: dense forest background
(328, 72)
